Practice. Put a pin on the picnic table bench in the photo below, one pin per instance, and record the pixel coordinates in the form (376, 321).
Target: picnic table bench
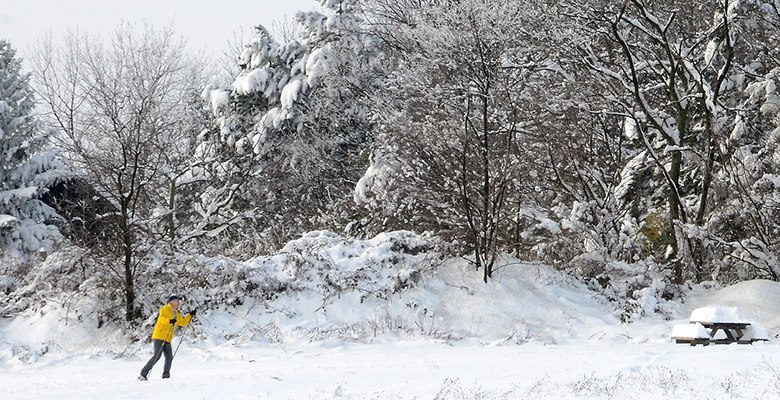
(718, 325)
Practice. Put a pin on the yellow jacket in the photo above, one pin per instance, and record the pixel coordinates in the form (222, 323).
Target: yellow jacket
(163, 330)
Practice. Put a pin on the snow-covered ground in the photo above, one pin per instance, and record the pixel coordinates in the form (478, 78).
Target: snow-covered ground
(599, 369)
(530, 333)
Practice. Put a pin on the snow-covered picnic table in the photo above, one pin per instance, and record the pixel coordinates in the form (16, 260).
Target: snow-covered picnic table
(718, 325)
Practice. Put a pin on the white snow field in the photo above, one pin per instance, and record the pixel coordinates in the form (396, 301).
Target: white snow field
(530, 333)
(601, 369)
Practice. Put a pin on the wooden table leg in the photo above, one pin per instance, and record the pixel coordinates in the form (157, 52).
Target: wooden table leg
(713, 332)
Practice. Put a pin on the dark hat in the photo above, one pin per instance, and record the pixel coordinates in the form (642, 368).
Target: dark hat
(174, 297)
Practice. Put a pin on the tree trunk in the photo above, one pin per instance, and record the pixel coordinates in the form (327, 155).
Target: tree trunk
(127, 244)
(486, 192)
(674, 215)
(171, 205)
(129, 287)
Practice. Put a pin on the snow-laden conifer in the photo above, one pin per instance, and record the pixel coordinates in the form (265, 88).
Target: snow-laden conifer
(27, 168)
(290, 133)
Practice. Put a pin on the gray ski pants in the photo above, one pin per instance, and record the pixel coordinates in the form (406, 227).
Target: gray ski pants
(167, 350)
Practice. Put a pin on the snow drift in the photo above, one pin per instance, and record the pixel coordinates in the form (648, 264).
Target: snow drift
(324, 287)
(387, 318)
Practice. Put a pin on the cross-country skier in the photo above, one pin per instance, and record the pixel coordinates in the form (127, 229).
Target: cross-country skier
(167, 320)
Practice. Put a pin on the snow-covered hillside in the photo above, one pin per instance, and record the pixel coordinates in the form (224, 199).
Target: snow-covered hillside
(379, 319)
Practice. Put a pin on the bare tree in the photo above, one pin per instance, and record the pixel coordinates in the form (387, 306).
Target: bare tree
(455, 137)
(124, 112)
(678, 73)
(670, 94)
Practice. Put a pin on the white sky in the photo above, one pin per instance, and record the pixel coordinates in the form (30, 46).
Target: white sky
(206, 24)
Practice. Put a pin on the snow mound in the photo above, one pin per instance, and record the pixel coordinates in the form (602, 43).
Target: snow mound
(520, 303)
(755, 300)
(718, 314)
(52, 332)
(690, 331)
(325, 288)
(756, 332)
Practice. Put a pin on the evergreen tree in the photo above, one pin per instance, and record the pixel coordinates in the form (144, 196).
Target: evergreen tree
(26, 168)
(290, 133)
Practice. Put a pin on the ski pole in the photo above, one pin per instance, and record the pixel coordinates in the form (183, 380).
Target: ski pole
(181, 339)
(184, 332)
